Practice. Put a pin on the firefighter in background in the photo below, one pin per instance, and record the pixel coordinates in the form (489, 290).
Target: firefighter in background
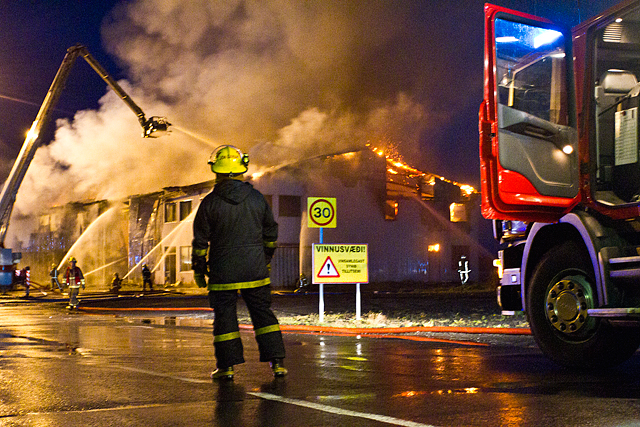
(74, 279)
(146, 278)
(235, 224)
(54, 278)
(26, 273)
(19, 278)
(116, 283)
(463, 269)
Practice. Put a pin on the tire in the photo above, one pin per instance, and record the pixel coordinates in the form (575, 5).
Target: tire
(561, 290)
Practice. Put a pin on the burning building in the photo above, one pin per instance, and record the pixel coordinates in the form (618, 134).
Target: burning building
(417, 225)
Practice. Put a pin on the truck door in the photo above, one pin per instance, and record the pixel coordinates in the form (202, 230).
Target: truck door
(528, 136)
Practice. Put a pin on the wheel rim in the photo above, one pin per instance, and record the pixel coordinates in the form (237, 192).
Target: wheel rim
(567, 302)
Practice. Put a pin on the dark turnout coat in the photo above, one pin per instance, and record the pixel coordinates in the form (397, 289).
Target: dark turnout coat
(236, 224)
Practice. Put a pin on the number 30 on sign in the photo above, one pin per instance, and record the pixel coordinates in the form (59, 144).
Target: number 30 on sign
(321, 212)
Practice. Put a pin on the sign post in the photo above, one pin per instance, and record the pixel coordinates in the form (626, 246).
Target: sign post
(321, 213)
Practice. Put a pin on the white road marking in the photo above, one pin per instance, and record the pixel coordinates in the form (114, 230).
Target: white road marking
(160, 374)
(297, 402)
(339, 411)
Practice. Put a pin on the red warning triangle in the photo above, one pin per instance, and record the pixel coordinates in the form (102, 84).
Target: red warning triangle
(328, 269)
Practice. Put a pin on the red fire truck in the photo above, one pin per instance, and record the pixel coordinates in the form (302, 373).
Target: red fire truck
(560, 173)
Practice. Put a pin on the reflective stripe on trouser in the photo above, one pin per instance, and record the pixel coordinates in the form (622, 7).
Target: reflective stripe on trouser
(267, 331)
(73, 296)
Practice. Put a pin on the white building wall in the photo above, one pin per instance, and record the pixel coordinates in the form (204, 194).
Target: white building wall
(398, 249)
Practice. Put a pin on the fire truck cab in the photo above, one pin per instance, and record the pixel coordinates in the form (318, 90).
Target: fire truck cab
(560, 176)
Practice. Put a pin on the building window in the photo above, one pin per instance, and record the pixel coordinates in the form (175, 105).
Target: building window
(289, 206)
(185, 258)
(457, 212)
(170, 212)
(45, 220)
(170, 264)
(185, 209)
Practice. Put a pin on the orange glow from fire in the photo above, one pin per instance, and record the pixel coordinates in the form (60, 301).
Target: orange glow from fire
(395, 160)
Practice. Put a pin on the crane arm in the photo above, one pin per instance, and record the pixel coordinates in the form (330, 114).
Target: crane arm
(150, 128)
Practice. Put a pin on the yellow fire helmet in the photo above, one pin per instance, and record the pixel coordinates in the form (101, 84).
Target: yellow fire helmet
(229, 160)
(73, 259)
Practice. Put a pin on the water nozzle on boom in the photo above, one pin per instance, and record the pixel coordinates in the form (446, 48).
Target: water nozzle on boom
(155, 127)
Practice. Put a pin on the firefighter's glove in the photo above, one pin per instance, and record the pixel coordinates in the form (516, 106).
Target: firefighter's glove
(199, 264)
(201, 281)
(82, 282)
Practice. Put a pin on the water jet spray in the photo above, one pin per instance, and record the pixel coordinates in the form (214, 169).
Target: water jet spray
(173, 235)
(195, 136)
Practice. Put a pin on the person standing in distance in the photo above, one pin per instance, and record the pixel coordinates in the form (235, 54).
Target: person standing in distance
(54, 278)
(235, 224)
(146, 278)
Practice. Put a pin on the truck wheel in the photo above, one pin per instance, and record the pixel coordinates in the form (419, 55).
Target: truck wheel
(561, 291)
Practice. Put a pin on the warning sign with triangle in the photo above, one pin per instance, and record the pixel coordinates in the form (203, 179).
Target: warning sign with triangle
(328, 269)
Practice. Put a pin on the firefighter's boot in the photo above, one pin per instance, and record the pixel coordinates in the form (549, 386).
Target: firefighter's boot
(222, 373)
(277, 366)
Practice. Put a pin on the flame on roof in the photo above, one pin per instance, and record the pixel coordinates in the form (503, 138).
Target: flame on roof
(395, 165)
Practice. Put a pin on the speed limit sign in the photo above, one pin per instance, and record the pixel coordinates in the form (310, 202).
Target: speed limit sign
(321, 212)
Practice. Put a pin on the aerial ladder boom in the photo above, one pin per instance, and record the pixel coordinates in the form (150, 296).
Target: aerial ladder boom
(151, 128)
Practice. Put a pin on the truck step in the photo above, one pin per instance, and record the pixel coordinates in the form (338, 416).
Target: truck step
(631, 312)
(627, 267)
(625, 260)
(625, 274)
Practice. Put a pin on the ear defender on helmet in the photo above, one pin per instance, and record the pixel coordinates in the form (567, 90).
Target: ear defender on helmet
(229, 160)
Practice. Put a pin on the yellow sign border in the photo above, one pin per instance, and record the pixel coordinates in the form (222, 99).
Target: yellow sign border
(331, 201)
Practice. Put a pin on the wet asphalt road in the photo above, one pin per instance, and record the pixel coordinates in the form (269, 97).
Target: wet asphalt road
(151, 369)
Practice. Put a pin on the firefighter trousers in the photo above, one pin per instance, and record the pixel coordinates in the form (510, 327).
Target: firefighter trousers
(226, 333)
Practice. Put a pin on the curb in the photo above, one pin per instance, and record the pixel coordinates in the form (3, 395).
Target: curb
(406, 330)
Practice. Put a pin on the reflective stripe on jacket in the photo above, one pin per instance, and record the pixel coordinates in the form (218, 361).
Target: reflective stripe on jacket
(73, 277)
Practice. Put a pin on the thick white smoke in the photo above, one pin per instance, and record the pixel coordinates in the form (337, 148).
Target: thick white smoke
(285, 76)
(316, 132)
(283, 80)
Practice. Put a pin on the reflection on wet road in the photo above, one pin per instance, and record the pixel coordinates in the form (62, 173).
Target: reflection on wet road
(61, 369)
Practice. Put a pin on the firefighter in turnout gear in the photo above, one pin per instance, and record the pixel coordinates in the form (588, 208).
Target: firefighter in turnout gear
(74, 279)
(54, 278)
(234, 223)
(146, 278)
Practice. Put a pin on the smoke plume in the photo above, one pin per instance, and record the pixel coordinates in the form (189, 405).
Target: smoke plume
(282, 80)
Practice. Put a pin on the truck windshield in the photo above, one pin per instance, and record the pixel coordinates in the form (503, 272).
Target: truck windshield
(531, 63)
(616, 48)
(536, 136)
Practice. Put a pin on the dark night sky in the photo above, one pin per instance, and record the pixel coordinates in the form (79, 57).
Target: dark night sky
(273, 78)
(35, 36)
